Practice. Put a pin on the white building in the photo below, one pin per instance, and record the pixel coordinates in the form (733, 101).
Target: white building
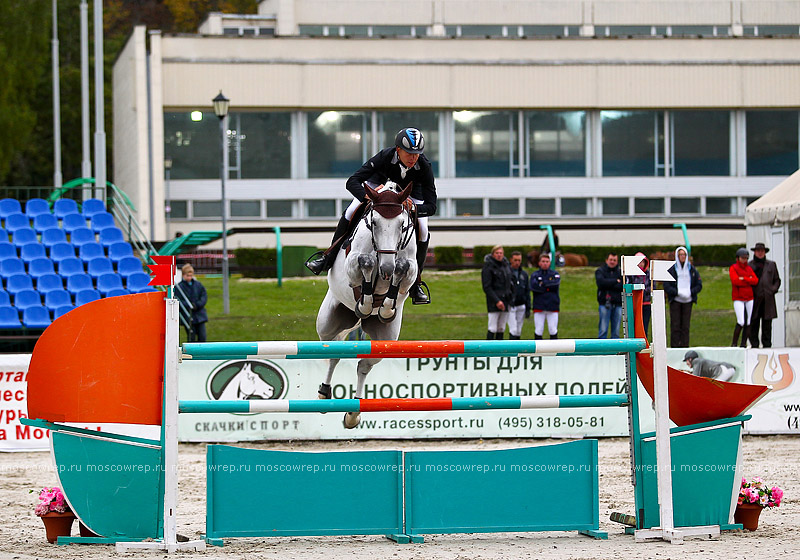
(588, 112)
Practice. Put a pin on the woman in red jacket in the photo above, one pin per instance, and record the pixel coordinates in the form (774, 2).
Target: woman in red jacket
(743, 279)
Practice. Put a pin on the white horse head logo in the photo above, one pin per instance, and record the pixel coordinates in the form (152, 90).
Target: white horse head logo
(245, 385)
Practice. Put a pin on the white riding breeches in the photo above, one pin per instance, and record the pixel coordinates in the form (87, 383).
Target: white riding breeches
(516, 316)
(423, 222)
(744, 311)
(497, 321)
(539, 318)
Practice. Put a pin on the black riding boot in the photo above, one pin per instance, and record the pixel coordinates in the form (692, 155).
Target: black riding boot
(554, 336)
(746, 336)
(736, 331)
(323, 260)
(418, 295)
(513, 337)
(538, 337)
(489, 335)
(499, 335)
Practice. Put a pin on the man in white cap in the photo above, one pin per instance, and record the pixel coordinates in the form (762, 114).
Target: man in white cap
(764, 307)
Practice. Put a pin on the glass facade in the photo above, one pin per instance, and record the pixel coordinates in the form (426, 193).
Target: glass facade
(794, 261)
(557, 143)
(630, 143)
(391, 122)
(483, 143)
(701, 141)
(191, 141)
(690, 205)
(338, 142)
(541, 206)
(468, 207)
(574, 206)
(260, 145)
(772, 138)
(503, 206)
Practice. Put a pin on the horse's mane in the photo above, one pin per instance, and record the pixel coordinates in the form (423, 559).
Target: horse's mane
(388, 202)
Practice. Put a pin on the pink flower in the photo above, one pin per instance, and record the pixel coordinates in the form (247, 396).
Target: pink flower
(777, 495)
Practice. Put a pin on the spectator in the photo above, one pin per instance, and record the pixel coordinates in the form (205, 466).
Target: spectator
(647, 293)
(546, 301)
(496, 280)
(764, 306)
(682, 294)
(743, 278)
(609, 296)
(701, 367)
(196, 294)
(521, 302)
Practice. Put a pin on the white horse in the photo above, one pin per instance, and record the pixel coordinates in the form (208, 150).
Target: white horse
(369, 281)
(245, 385)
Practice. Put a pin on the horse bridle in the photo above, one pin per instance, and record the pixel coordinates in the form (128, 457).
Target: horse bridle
(406, 232)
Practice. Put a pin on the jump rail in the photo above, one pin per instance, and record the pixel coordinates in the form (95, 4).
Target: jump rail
(398, 405)
(408, 349)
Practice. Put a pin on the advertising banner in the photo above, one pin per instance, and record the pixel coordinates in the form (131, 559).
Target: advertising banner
(778, 412)
(14, 405)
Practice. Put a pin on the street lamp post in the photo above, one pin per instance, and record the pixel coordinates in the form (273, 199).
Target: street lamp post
(221, 104)
(168, 206)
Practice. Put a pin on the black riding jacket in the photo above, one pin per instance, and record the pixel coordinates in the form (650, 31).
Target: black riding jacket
(385, 165)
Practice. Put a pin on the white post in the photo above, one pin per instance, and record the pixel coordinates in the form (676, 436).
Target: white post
(57, 179)
(86, 143)
(99, 105)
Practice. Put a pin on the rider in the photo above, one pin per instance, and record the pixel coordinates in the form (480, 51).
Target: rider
(402, 163)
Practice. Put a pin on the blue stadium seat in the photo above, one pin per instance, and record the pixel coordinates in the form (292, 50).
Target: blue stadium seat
(44, 222)
(16, 221)
(27, 298)
(3, 234)
(18, 282)
(63, 310)
(64, 206)
(71, 222)
(32, 251)
(117, 292)
(39, 267)
(99, 266)
(52, 236)
(101, 221)
(93, 206)
(137, 281)
(49, 283)
(24, 236)
(9, 318)
(118, 251)
(36, 207)
(61, 251)
(7, 250)
(89, 251)
(129, 265)
(69, 266)
(57, 298)
(111, 235)
(5, 299)
(108, 282)
(9, 206)
(11, 266)
(36, 317)
(86, 296)
(82, 236)
(78, 282)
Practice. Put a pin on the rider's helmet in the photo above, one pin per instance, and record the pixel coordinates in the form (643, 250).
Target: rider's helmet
(410, 140)
(742, 253)
(690, 356)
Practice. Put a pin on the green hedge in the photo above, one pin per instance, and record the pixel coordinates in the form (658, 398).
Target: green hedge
(257, 263)
(449, 255)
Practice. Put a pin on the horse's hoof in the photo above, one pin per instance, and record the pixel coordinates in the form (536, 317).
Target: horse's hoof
(351, 420)
(386, 319)
(324, 391)
(361, 315)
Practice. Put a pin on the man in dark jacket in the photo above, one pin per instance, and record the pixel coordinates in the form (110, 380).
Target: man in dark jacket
(609, 296)
(521, 301)
(195, 294)
(764, 307)
(546, 301)
(496, 280)
(682, 295)
(402, 163)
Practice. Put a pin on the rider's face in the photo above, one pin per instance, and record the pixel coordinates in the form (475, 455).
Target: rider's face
(409, 160)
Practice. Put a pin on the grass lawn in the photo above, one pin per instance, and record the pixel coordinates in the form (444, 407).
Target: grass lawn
(260, 310)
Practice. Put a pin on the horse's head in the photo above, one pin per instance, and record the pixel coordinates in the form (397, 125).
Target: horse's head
(389, 223)
(251, 385)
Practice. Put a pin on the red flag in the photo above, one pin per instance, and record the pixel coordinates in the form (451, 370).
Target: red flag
(163, 270)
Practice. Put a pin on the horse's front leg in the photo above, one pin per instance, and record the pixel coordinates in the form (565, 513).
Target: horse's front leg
(362, 271)
(365, 365)
(405, 272)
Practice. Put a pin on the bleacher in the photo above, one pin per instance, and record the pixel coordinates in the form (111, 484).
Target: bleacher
(55, 259)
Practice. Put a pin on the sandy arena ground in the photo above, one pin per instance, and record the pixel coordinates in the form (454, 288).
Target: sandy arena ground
(774, 458)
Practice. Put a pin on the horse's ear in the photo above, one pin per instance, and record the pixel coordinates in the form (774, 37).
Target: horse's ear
(372, 194)
(404, 194)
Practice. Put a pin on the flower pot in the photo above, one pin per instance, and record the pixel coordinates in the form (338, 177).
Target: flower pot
(747, 515)
(57, 525)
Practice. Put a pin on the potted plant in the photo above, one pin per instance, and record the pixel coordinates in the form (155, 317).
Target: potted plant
(55, 513)
(753, 497)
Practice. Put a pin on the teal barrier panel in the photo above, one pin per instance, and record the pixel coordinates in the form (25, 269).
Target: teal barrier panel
(704, 463)
(544, 488)
(258, 493)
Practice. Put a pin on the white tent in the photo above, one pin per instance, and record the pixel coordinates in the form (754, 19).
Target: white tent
(774, 219)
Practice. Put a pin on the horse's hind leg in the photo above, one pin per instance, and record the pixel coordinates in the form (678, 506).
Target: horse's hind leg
(365, 365)
(334, 322)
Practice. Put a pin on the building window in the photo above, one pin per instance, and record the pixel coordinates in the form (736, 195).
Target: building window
(701, 142)
(574, 206)
(546, 31)
(280, 209)
(629, 143)
(540, 206)
(191, 141)
(245, 208)
(647, 205)
(615, 206)
(310, 30)
(481, 31)
(337, 142)
(484, 142)
(207, 209)
(679, 205)
(772, 142)
(469, 206)
(720, 205)
(260, 144)
(630, 31)
(178, 209)
(556, 140)
(503, 206)
(794, 260)
(391, 122)
(320, 208)
(356, 30)
(692, 31)
(391, 31)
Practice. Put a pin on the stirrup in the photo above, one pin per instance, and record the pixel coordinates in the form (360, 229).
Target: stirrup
(427, 295)
(316, 262)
